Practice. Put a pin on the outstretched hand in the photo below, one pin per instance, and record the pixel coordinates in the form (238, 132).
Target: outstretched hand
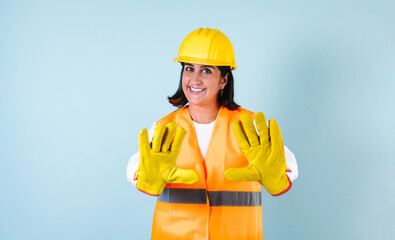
(264, 152)
(157, 160)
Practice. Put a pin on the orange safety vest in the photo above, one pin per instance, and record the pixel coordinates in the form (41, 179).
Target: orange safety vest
(213, 208)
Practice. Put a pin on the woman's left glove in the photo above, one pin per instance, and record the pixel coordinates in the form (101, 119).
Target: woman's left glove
(265, 154)
(157, 160)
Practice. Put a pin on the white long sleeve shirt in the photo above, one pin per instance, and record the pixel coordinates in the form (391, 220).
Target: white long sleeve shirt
(203, 133)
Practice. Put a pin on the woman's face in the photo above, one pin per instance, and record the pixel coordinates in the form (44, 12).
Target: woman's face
(201, 84)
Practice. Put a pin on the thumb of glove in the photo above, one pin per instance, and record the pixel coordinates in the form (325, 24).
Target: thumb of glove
(249, 173)
(178, 175)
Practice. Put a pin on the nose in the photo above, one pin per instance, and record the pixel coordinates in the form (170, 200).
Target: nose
(195, 78)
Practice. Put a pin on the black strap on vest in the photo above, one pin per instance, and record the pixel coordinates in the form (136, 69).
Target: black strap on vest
(235, 199)
(182, 195)
(216, 198)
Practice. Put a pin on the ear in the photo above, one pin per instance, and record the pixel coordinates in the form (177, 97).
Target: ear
(224, 81)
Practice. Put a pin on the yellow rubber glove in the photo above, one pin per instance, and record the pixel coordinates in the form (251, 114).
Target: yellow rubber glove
(157, 160)
(265, 154)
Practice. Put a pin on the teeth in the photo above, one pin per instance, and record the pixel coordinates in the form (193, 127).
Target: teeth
(196, 89)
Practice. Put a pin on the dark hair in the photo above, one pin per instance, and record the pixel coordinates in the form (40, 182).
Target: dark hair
(226, 99)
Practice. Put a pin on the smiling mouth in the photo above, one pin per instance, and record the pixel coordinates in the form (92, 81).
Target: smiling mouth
(196, 90)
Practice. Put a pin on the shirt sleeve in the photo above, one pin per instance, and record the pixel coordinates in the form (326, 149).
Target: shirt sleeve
(291, 163)
(134, 160)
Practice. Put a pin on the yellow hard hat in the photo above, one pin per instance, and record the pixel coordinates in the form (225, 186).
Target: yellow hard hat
(207, 46)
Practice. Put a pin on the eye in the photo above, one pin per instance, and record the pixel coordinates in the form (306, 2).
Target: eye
(206, 71)
(189, 69)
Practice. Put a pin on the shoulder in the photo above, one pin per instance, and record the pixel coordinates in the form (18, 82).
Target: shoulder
(238, 111)
(229, 116)
(245, 111)
(172, 117)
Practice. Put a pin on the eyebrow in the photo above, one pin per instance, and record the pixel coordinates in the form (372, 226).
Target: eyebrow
(206, 66)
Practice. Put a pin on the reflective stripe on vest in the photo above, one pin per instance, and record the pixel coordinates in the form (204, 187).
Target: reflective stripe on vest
(216, 198)
(235, 199)
(182, 195)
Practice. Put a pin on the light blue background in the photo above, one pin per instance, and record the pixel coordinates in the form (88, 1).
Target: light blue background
(79, 79)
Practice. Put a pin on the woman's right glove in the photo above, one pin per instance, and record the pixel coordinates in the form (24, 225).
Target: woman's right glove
(157, 160)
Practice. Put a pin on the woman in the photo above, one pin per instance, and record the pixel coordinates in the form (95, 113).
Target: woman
(207, 172)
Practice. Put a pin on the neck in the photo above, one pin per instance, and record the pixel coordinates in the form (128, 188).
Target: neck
(203, 114)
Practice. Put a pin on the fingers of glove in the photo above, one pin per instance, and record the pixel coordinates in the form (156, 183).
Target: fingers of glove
(249, 129)
(261, 125)
(179, 175)
(240, 135)
(143, 141)
(249, 173)
(179, 137)
(275, 134)
(157, 139)
(170, 129)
